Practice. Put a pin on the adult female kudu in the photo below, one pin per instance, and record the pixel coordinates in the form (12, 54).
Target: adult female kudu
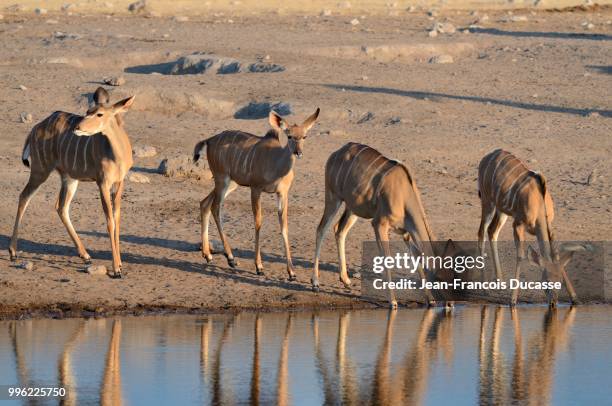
(261, 163)
(506, 187)
(372, 187)
(94, 147)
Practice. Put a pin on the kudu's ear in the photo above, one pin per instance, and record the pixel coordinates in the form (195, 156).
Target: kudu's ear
(307, 125)
(534, 257)
(276, 121)
(101, 96)
(123, 105)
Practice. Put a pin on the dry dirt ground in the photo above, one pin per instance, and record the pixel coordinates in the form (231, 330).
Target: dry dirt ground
(540, 88)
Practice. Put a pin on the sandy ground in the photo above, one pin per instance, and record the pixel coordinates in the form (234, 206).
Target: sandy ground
(540, 88)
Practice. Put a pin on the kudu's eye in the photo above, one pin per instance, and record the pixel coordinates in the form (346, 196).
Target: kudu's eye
(99, 114)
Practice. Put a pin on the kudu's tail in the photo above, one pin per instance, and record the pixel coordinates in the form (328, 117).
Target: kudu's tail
(197, 151)
(25, 154)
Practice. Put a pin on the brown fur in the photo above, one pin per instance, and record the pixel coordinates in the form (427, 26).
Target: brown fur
(264, 164)
(508, 188)
(94, 147)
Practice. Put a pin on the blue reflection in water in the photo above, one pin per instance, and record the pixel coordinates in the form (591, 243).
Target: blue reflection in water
(468, 355)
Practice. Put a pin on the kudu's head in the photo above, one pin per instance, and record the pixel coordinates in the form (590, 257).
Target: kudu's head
(102, 116)
(556, 265)
(296, 134)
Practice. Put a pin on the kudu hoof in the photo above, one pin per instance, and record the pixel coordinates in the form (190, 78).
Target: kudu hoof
(259, 271)
(393, 305)
(208, 258)
(316, 288)
(431, 303)
(116, 275)
(87, 261)
(292, 278)
(232, 262)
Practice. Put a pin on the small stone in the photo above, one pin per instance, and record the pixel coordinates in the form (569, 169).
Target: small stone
(22, 87)
(592, 177)
(366, 117)
(114, 80)
(594, 114)
(67, 6)
(27, 265)
(52, 21)
(181, 19)
(326, 13)
(354, 21)
(590, 26)
(432, 13)
(432, 33)
(393, 121)
(144, 151)
(25, 117)
(138, 177)
(517, 19)
(96, 270)
(40, 11)
(444, 58)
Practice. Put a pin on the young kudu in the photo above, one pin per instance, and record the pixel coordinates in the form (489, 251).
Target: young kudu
(372, 187)
(506, 187)
(262, 163)
(94, 147)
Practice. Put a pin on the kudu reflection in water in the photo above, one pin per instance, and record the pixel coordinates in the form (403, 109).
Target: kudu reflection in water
(531, 378)
(110, 388)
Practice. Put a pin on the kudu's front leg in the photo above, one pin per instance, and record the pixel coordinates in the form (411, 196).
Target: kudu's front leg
(430, 299)
(283, 220)
(381, 229)
(117, 218)
(521, 256)
(105, 196)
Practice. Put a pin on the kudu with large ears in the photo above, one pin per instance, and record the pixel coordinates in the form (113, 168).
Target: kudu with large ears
(94, 147)
(265, 164)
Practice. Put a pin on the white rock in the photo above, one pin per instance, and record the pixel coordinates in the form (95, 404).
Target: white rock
(96, 270)
(444, 58)
(181, 19)
(144, 151)
(25, 117)
(326, 13)
(52, 21)
(138, 177)
(22, 87)
(27, 265)
(433, 33)
(411, 9)
(518, 18)
(354, 21)
(40, 11)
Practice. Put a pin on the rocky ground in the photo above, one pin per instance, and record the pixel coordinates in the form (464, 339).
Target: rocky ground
(434, 91)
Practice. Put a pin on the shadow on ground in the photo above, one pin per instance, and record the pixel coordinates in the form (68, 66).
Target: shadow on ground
(477, 99)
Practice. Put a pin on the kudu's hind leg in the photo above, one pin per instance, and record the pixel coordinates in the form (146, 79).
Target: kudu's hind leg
(69, 187)
(411, 248)
(494, 228)
(256, 206)
(36, 179)
(284, 226)
(332, 205)
(488, 211)
(223, 187)
(347, 221)
(205, 206)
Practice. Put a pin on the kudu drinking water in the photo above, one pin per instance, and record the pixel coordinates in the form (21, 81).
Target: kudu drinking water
(506, 187)
(94, 147)
(262, 163)
(373, 187)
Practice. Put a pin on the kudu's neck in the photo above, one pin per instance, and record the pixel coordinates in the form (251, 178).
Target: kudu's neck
(120, 143)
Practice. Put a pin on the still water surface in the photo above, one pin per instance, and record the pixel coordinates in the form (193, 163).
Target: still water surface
(468, 355)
